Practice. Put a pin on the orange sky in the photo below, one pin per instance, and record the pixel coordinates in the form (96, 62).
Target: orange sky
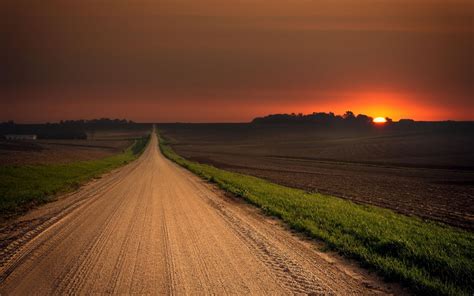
(204, 61)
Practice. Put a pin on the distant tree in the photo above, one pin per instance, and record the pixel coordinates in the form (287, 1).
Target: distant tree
(349, 115)
(406, 121)
(364, 119)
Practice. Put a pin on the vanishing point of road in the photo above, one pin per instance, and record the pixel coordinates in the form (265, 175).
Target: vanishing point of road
(152, 227)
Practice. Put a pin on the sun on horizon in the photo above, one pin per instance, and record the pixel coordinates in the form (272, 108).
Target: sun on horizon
(380, 120)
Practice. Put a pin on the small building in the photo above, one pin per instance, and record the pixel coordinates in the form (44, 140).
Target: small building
(20, 137)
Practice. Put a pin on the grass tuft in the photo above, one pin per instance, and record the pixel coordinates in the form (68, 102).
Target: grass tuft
(428, 257)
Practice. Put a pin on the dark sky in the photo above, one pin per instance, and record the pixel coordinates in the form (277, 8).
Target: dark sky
(190, 60)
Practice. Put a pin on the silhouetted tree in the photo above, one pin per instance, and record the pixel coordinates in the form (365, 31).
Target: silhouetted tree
(349, 115)
(364, 119)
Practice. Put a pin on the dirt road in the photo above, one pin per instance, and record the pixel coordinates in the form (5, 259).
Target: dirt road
(154, 228)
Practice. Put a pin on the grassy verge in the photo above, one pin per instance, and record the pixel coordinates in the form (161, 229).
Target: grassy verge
(22, 187)
(430, 258)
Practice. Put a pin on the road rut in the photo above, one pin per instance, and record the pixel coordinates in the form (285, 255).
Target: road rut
(154, 228)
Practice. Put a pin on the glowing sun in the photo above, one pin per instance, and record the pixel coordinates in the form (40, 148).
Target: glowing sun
(380, 120)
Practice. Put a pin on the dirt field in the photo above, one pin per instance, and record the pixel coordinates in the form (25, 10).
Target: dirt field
(429, 174)
(98, 145)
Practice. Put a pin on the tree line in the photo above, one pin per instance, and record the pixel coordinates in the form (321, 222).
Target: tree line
(67, 129)
(319, 117)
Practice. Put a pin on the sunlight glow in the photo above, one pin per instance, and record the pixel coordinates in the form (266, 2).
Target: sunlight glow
(380, 120)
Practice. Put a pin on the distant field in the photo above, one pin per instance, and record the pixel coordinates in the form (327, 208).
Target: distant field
(118, 134)
(99, 144)
(427, 173)
(33, 172)
(26, 186)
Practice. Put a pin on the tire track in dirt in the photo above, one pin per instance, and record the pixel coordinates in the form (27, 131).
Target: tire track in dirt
(29, 229)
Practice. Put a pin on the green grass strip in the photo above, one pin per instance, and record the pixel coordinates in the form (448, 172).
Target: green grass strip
(22, 187)
(428, 257)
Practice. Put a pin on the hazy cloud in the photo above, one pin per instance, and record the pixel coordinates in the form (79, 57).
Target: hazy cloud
(279, 52)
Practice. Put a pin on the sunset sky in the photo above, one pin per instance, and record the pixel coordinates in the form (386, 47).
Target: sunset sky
(206, 60)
